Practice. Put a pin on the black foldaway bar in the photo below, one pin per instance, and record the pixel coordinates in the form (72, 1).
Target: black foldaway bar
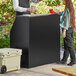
(39, 38)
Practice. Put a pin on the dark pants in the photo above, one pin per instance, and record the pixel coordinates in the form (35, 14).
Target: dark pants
(68, 46)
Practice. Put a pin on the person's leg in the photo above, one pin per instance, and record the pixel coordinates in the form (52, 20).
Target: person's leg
(69, 35)
(66, 51)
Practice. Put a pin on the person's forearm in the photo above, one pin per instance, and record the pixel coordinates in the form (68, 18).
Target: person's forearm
(20, 9)
(56, 12)
(17, 7)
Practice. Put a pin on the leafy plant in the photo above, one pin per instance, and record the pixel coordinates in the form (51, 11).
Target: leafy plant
(52, 2)
(7, 14)
(5, 42)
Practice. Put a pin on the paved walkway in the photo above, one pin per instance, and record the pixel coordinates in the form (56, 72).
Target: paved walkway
(44, 70)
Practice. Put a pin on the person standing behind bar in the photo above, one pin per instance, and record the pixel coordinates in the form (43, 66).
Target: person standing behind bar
(22, 7)
(68, 24)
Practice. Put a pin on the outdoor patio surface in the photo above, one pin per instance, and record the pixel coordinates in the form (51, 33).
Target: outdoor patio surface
(44, 70)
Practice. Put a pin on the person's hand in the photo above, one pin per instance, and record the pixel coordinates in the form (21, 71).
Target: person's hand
(29, 9)
(64, 33)
(55, 12)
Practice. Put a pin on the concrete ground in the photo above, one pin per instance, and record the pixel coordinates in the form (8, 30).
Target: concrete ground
(44, 70)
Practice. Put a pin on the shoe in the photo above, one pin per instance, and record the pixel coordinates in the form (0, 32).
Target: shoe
(61, 62)
(71, 63)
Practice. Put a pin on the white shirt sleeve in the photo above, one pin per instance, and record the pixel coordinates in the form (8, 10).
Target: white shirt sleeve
(17, 7)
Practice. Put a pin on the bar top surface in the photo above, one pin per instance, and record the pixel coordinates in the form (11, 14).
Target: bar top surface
(35, 15)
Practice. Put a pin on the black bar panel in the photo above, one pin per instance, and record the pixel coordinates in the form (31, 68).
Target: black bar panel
(39, 38)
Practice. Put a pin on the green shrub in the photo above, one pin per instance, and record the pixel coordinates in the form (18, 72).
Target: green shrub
(52, 2)
(7, 14)
(5, 36)
(74, 39)
(5, 42)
